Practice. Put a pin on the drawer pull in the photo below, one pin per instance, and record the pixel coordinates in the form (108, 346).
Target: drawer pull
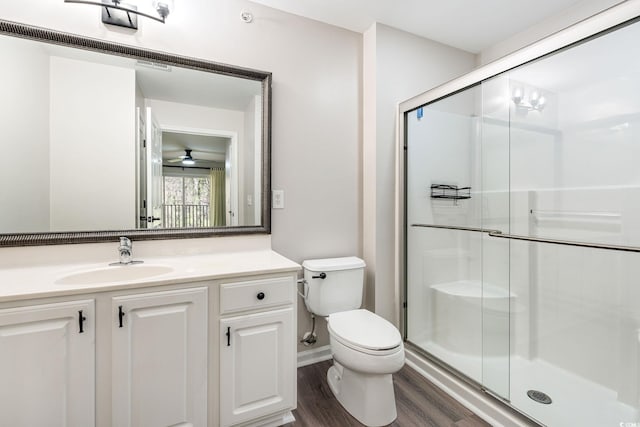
(228, 334)
(260, 296)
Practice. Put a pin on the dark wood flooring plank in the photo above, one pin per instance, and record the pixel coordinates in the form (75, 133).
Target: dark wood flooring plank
(413, 387)
(419, 403)
(317, 407)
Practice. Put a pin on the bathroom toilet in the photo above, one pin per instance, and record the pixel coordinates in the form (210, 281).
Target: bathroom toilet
(366, 348)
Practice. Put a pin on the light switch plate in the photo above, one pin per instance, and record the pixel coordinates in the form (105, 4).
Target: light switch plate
(277, 199)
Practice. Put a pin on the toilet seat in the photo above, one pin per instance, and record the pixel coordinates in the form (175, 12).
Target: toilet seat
(364, 331)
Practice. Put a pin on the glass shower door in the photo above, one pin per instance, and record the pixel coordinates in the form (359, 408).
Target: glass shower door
(446, 287)
(574, 156)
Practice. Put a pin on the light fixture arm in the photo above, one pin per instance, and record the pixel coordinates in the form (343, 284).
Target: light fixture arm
(116, 5)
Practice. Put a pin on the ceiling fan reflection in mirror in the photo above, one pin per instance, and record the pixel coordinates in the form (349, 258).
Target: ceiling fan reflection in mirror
(185, 159)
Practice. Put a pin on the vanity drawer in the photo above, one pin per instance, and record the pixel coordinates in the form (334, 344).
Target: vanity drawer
(256, 294)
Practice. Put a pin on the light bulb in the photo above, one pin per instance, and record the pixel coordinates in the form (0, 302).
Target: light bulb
(535, 98)
(163, 7)
(517, 95)
(541, 103)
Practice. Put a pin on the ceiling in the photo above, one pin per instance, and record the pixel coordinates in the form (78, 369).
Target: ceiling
(193, 87)
(208, 151)
(471, 25)
(165, 83)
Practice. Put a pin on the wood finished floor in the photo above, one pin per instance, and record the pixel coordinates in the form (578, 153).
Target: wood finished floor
(419, 403)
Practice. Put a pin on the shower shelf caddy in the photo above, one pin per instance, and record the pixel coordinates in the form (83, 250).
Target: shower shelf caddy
(453, 192)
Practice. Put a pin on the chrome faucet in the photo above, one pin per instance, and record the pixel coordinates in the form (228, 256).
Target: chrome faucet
(125, 250)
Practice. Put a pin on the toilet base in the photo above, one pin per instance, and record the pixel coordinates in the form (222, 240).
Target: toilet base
(369, 398)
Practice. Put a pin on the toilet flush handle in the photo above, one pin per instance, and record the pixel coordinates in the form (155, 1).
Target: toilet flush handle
(320, 276)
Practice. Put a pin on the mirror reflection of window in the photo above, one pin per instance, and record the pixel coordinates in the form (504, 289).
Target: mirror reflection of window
(189, 200)
(198, 175)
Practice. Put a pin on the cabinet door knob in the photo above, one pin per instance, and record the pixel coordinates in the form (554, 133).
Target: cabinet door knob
(260, 296)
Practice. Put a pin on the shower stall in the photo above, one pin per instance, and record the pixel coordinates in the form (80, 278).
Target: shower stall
(521, 237)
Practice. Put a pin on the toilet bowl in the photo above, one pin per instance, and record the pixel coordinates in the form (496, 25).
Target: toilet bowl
(366, 348)
(366, 351)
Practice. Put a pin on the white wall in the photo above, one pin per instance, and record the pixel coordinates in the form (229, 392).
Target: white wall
(576, 13)
(24, 144)
(405, 65)
(176, 115)
(84, 193)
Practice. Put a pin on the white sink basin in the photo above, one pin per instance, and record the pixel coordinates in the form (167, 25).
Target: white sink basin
(113, 274)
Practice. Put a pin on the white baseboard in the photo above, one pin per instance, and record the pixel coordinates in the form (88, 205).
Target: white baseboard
(315, 355)
(272, 421)
(481, 404)
(288, 418)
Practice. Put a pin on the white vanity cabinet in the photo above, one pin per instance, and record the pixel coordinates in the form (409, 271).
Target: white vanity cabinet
(159, 358)
(257, 351)
(47, 365)
(150, 352)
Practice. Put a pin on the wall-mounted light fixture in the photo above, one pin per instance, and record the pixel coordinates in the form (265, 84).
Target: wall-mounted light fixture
(529, 100)
(114, 12)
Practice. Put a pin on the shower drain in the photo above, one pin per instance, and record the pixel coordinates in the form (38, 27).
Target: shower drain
(539, 397)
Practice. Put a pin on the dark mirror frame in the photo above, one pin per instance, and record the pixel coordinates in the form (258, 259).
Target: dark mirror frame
(64, 39)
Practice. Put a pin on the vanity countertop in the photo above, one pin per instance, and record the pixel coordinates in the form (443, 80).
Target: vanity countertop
(47, 280)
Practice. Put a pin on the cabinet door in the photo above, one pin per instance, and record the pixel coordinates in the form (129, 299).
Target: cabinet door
(159, 359)
(257, 365)
(47, 366)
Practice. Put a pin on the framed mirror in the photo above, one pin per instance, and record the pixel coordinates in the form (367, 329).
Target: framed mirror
(102, 140)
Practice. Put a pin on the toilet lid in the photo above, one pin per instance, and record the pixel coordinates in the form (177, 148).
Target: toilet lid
(333, 264)
(364, 329)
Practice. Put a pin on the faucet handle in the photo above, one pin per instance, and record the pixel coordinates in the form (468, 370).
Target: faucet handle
(125, 251)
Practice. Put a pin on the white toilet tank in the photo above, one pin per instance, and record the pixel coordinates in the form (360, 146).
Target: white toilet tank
(333, 284)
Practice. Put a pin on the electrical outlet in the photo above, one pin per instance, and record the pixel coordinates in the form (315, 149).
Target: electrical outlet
(277, 199)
